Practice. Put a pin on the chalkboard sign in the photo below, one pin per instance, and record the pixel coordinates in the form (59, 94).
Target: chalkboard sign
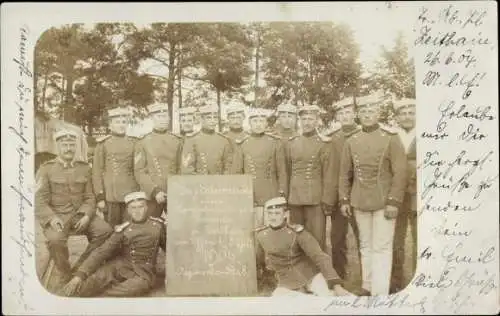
(210, 245)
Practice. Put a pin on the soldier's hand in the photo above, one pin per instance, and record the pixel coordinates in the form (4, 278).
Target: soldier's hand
(160, 197)
(82, 224)
(101, 204)
(327, 209)
(346, 210)
(72, 287)
(57, 224)
(390, 212)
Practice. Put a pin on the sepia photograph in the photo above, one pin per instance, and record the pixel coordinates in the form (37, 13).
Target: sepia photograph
(224, 159)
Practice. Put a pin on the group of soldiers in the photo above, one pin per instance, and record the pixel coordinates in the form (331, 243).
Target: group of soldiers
(363, 175)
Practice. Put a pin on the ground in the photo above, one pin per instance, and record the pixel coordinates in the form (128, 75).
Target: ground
(78, 243)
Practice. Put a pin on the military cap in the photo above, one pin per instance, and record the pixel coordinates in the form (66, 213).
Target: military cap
(309, 108)
(275, 202)
(157, 108)
(208, 109)
(134, 196)
(65, 134)
(368, 100)
(288, 108)
(258, 112)
(189, 110)
(235, 108)
(345, 102)
(403, 103)
(118, 112)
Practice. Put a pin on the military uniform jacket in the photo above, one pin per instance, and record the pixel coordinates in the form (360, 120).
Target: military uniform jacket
(263, 157)
(236, 136)
(207, 153)
(285, 134)
(113, 168)
(157, 156)
(310, 166)
(139, 244)
(294, 255)
(376, 160)
(63, 188)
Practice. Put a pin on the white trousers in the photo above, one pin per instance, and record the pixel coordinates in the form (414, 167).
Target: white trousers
(376, 236)
(317, 286)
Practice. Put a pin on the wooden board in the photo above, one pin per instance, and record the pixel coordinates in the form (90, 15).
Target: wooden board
(210, 244)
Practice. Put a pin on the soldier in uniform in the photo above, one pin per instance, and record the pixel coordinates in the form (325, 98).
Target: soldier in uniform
(187, 121)
(301, 266)
(372, 182)
(345, 114)
(65, 203)
(407, 215)
(208, 151)
(133, 273)
(311, 181)
(287, 121)
(235, 116)
(157, 156)
(113, 167)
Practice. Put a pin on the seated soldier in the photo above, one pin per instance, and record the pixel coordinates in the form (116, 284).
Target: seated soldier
(133, 272)
(293, 253)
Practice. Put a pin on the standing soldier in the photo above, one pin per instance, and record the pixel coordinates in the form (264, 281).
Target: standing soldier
(345, 115)
(187, 121)
(287, 121)
(235, 117)
(208, 151)
(311, 180)
(372, 181)
(405, 116)
(157, 156)
(113, 167)
(65, 203)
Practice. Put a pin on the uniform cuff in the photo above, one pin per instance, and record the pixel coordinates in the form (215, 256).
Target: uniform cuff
(100, 197)
(393, 202)
(344, 201)
(82, 275)
(333, 282)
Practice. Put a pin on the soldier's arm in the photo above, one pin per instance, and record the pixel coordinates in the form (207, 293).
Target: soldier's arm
(101, 253)
(399, 173)
(228, 156)
(88, 206)
(141, 171)
(43, 211)
(345, 178)
(97, 172)
(329, 174)
(312, 249)
(163, 237)
(281, 167)
(188, 159)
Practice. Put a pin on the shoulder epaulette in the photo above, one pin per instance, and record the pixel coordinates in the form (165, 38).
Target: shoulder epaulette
(273, 135)
(242, 140)
(259, 229)
(223, 135)
(157, 219)
(388, 130)
(296, 227)
(80, 162)
(333, 131)
(103, 138)
(293, 137)
(175, 135)
(193, 133)
(121, 227)
(135, 138)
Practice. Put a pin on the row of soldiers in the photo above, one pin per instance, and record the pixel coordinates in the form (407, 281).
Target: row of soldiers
(363, 175)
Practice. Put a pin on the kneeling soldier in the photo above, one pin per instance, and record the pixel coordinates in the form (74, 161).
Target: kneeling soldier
(300, 264)
(133, 273)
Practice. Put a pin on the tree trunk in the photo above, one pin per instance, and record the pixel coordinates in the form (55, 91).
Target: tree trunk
(44, 90)
(69, 100)
(179, 78)
(170, 83)
(219, 114)
(63, 99)
(257, 67)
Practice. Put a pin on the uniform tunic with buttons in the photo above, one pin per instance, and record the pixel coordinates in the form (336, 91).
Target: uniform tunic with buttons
(376, 160)
(207, 153)
(113, 168)
(295, 255)
(263, 157)
(310, 165)
(236, 135)
(157, 156)
(139, 244)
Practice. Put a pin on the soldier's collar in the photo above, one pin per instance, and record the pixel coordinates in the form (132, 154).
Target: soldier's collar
(208, 131)
(349, 128)
(236, 130)
(159, 131)
(369, 129)
(309, 134)
(118, 134)
(64, 163)
(258, 134)
(279, 226)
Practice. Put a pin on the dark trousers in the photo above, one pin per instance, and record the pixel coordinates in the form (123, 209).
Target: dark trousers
(116, 213)
(406, 217)
(115, 279)
(340, 227)
(97, 232)
(313, 219)
(155, 209)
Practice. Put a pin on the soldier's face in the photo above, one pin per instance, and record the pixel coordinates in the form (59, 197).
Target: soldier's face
(369, 115)
(346, 116)
(287, 120)
(137, 210)
(67, 149)
(276, 216)
(406, 117)
(235, 120)
(160, 120)
(308, 122)
(118, 125)
(186, 123)
(209, 121)
(258, 124)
